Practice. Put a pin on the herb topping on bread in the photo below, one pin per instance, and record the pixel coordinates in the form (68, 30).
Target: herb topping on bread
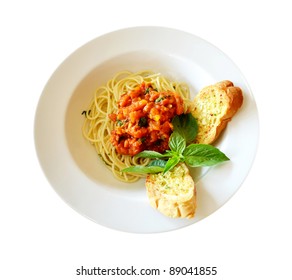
(172, 193)
(213, 107)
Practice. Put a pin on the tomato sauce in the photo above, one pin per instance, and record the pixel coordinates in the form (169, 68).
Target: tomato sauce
(143, 120)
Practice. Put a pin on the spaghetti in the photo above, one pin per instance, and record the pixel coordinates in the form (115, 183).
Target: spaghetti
(98, 127)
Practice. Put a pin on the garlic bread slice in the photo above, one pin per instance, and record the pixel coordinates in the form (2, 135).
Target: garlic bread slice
(173, 193)
(213, 107)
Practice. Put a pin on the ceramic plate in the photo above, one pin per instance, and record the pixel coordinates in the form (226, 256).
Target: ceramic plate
(70, 162)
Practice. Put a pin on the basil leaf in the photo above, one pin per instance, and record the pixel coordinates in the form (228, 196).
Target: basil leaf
(186, 125)
(157, 162)
(150, 154)
(143, 169)
(177, 143)
(155, 166)
(168, 154)
(171, 163)
(203, 155)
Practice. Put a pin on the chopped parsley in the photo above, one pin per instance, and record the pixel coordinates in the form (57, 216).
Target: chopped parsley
(143, 122)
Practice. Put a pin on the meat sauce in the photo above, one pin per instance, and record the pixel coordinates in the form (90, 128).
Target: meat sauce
(143, 120)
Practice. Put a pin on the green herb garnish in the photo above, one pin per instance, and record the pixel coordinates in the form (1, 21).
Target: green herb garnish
(194, 155)
(120, 123)
(160, 99)
(143, 122)
(186, 125)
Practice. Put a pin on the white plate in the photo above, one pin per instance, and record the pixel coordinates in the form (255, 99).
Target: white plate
(70, 162)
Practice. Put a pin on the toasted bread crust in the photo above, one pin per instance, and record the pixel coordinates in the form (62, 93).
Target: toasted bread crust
(214, 107)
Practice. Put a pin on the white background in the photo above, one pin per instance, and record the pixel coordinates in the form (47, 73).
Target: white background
(43, 238)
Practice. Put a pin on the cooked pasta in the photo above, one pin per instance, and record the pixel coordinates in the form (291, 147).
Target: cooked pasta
(98, 126)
